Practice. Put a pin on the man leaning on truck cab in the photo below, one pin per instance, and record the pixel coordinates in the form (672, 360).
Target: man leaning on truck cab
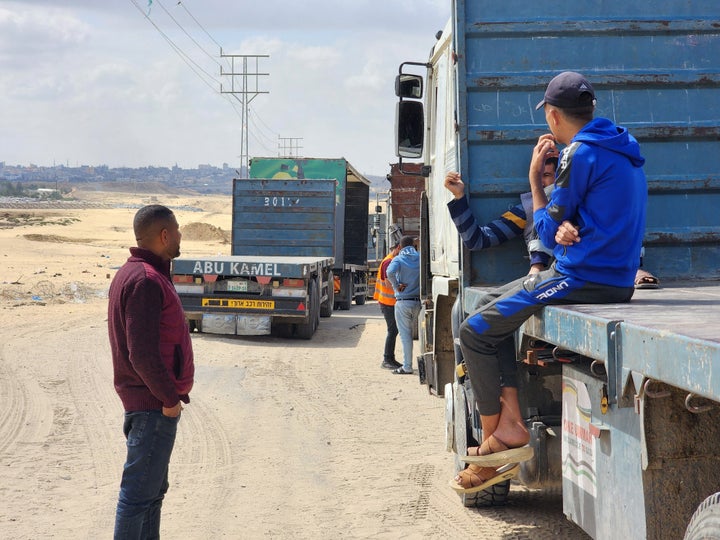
(600, 197)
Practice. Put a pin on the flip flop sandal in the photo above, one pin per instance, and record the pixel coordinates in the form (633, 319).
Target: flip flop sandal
(493, 453)
(645, 280)
(506, 472)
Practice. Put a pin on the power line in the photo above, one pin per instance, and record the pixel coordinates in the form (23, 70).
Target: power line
(258, 131)
(200, 25)
(274, 132)
(186, 33)
(183, 56)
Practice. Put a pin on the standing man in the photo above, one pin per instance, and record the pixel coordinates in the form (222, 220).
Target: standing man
(153, 368)
(403, 272)
(594, 221)
(385, 296)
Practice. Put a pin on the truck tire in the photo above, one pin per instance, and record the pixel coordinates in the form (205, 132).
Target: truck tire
(282, 330)
(360, 300)
(493, 496)
(307, 330)
(347, 288)
(705, 522)
(195, 324)
(327, 307)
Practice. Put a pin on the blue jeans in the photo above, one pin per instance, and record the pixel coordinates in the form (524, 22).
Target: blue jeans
(406, 313)
(150, 439)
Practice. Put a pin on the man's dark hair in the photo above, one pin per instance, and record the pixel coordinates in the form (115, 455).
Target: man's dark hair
(148, 218)
(553, 161)
(585, 114)
(406, 241)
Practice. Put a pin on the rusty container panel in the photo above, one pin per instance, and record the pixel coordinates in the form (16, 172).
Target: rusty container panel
(405, 192)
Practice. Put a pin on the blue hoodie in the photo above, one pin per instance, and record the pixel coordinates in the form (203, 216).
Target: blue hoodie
(601, 188)
(405, 268)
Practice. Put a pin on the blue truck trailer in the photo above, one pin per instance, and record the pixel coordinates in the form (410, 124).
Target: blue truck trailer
(622, 400)
(352, 199)
(288, 233)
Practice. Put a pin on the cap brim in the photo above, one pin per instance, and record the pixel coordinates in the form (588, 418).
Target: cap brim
(540, 105)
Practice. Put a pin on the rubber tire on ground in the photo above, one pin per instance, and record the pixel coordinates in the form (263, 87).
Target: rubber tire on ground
(282, 330)
(360, 300)
(347, 287)
(307, 330)
(493, 496)
(195, 324)
(327, 307)
(705, 522)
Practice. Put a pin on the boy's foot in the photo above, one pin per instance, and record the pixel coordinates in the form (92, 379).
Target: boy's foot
(494, 452)
(475, 478)
(645, 280)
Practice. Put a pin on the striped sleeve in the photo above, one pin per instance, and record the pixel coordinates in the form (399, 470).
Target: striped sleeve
(510, 225)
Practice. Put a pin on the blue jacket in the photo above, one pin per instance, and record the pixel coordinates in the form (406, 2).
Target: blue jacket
(405, 268)
(601, 188)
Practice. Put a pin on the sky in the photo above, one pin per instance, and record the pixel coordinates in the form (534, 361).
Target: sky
(134, 83)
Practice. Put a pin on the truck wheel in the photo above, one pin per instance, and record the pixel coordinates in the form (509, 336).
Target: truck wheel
(493, 496)
(326, 308)
(306, 330)
(347, 288)
(360, 300)
(195, 324)
(282, 330)
(705, 522)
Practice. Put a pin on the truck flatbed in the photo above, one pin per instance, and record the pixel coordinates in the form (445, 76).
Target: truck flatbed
(647, 335)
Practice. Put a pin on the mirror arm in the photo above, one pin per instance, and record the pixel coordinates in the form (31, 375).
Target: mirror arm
(425, 170)
(424, 64)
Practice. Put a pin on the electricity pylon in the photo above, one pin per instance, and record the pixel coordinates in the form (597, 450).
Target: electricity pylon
(247, 89)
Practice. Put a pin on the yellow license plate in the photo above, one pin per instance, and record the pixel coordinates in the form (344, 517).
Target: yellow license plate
(236, 303)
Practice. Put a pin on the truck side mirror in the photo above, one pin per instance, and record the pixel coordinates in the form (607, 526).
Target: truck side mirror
(409, 129)
(409, 86)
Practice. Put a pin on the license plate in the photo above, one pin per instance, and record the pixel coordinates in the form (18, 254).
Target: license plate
(237, 303)
(237, 286)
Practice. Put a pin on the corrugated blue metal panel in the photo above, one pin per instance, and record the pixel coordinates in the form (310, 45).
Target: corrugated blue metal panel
(273, 217)
(656, 70)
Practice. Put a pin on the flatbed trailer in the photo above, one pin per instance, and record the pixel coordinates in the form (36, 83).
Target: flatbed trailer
(623, 405)
(280, 274)
(245, 292)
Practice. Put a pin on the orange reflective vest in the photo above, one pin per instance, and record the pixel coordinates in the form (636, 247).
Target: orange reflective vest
(384, 292)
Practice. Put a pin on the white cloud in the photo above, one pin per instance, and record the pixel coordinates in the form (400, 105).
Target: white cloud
(94, 82)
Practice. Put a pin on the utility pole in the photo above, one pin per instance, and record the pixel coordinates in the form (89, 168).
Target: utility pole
(289, 147)
(246, 67)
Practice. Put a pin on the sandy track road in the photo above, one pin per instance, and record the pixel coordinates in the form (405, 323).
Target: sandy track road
(282, 439)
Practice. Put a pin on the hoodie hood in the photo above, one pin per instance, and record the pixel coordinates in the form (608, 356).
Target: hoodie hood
(603, 133)
(409, 257)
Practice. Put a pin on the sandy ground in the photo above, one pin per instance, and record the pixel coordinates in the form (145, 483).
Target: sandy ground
(282, 439)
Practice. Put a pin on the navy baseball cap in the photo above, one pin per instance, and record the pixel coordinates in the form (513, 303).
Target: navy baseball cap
(569, 90)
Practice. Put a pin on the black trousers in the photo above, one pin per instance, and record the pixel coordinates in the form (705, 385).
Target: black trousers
(392, 331)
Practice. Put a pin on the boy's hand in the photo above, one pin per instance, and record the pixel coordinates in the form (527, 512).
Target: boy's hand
(567, 234)
(455, 185)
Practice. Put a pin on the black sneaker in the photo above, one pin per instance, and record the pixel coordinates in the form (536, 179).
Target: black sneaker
(390, 364)
(401, 371)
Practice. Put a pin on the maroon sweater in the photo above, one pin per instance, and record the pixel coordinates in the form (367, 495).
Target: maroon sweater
(149, 339)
